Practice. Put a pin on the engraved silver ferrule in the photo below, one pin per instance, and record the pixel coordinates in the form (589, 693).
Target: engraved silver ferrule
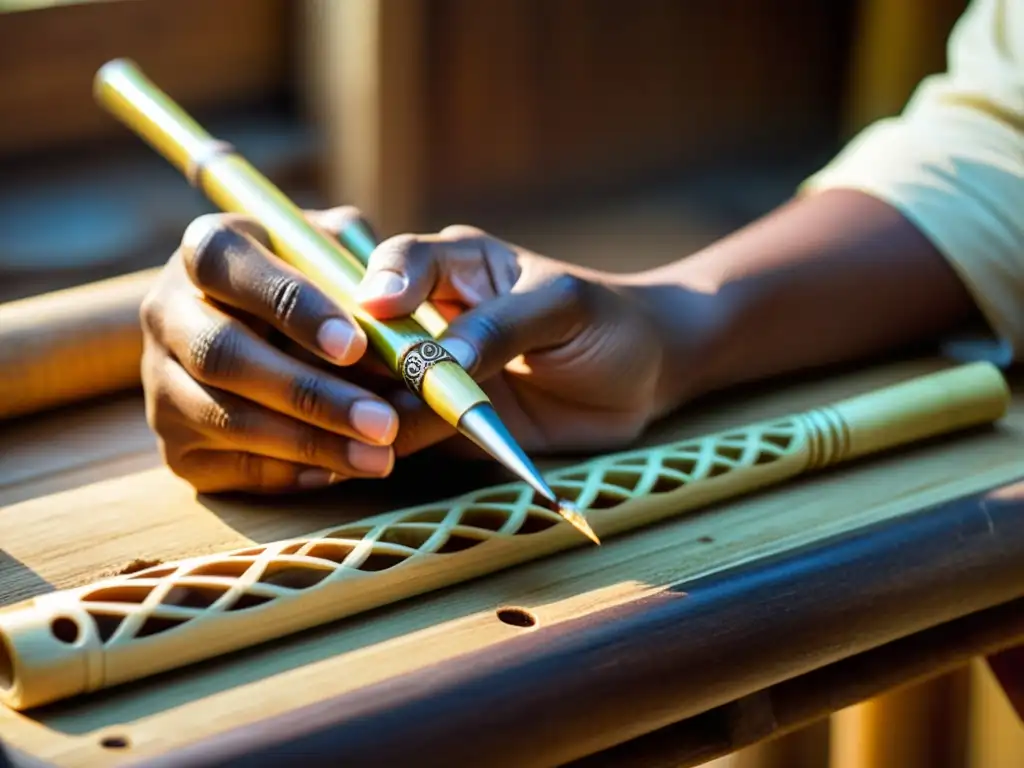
(420, 358)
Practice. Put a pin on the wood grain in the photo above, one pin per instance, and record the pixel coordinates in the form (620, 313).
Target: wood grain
(172, 614)
(71, 345)
(601, 679)
(804, 702)
(530, 96)
(238, 53)
(364, 86)
(70, 538)
(74, 446)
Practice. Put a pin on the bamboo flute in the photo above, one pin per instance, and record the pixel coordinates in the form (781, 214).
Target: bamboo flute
(74, 641)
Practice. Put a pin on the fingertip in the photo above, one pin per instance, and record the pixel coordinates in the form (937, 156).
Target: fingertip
(342, 341)
(317, 478)
(464, 352)
(375, 460)
(375, 420)
(202, 228)
(199, 230)
(385, 285)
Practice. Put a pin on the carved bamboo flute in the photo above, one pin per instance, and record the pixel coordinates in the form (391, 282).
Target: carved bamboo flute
(73, 641)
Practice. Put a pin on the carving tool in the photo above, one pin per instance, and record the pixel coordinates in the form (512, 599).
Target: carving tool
(408, 346)
(72, 641)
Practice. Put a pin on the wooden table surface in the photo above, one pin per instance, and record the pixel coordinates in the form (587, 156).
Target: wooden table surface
(82, 495)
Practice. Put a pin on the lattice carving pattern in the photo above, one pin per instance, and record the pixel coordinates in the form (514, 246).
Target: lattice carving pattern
(159, 599)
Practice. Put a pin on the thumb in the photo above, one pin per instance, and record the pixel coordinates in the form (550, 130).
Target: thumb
(460, 265)
(486, 338)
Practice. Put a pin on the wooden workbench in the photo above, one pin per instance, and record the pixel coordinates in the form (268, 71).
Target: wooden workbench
(82, 494)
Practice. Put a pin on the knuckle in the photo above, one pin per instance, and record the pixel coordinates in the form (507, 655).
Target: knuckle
(309, 396)
(462, 232)
(204, 245)
(151, 311)
(176, 462)
(216, 416)
(284, 295)
(491, 330)
(158, 394)
(308, 445)
(213, 354)
(250, 467)
(160, 406)
(394, 252)
(571, 289)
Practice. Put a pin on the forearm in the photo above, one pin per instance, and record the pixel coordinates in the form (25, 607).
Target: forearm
(825, 279)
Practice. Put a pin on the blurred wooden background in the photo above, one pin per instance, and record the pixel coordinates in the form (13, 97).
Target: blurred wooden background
(621, 133)
(428, 111)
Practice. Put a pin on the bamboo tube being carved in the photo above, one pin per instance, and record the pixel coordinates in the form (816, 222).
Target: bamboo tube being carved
(71, 344)
(70, 642)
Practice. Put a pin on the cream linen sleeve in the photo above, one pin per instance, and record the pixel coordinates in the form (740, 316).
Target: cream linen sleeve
(953, 163)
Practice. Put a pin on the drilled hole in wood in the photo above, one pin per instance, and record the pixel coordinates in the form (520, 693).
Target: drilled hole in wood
(426, 516)
(535, 524)
(765, 458)
(457, 543)
(193, 596)
(778, 440)
(488, 519)
(114, 742)
(158, 573)
(106, 624)
(64, 629)
(666, 485)
(626, 480)
(229, 568)
(380, 561)
(127, 593)
(154, 625)
(412, 537)
(605, 500)
(293, 576)
(248, 600)
(682, 464)
(731, 452)
(336, 552)
(350, 534)
(516, 617)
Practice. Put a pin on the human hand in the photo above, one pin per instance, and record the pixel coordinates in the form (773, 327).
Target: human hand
(569, 356)
(241, 364)
(256, 381)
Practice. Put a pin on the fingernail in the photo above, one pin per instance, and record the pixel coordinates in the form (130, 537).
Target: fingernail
(374, 420)
(462, 351)
(317, 478)
(382, 284)
(371, 459)
(336, 338)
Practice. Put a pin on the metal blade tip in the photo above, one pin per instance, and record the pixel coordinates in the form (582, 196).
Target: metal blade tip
(577, 520)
